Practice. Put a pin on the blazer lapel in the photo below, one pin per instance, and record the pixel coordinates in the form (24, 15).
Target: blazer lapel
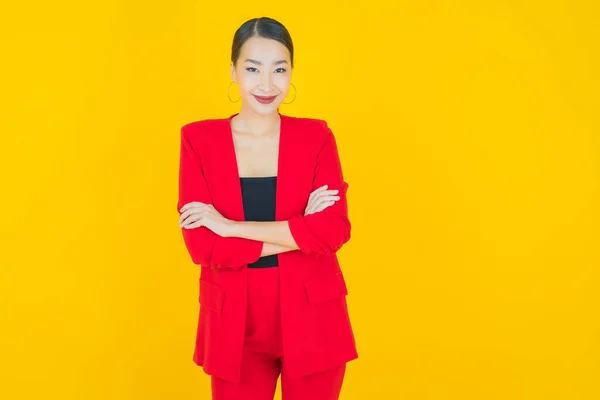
(233, 206)
(285, 169)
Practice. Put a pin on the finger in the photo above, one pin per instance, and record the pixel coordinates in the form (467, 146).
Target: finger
(190, 219)
(182, 217)
(196, 220)
(329, 192)
(321, 199)
(187, 213)
(312, 209)
(191, 204)
(325, 193)
(324, 205)
(197, 207)
(314, 196)
(193, 217)
(313, 204)
(312, 201)
(196, 224)
(317, 190)
(329, 198)
(186, 206)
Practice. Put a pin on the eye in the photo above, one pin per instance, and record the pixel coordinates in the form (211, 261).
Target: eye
(249, 68)
(283, 69)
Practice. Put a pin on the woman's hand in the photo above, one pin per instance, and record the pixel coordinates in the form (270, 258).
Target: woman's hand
(320, 199)
(196, 214)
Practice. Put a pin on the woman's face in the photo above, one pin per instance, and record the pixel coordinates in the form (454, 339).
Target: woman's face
(263, 69)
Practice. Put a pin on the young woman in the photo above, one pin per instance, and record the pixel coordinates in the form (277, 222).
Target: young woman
(263, 211)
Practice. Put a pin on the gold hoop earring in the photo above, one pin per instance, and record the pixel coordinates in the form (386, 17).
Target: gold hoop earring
(295, 91)
(229, 97)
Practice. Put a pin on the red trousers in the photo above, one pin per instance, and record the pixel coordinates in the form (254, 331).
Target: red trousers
(262, 358)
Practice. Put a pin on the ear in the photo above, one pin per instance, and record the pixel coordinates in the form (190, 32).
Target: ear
(233, 73)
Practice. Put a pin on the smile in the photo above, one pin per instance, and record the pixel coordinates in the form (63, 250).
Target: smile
(264, 99)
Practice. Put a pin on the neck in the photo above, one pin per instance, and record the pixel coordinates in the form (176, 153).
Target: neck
(251, 122)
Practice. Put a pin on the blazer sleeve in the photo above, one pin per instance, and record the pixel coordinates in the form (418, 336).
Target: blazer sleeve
(204, 246)
(324, 232)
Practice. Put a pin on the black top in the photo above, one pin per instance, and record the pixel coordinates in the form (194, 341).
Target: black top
(258, 195)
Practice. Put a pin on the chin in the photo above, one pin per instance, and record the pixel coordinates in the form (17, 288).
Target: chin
(265, 109)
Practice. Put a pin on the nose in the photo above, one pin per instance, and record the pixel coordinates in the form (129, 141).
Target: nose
(266, 83)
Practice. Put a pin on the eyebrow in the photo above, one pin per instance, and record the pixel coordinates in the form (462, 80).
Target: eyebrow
(259, 63)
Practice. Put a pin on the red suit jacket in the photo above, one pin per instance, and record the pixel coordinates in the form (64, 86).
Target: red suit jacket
(316, 328)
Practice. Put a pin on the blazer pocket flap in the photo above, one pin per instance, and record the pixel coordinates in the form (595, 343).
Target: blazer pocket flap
(328, 287)
(211, 296)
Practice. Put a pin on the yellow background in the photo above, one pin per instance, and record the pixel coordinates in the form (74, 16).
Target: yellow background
(469, 134)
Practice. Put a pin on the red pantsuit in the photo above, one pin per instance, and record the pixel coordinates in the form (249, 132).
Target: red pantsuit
(262, 356)
(293, 319)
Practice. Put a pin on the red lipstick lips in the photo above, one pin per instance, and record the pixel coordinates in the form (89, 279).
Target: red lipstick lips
(264, 99)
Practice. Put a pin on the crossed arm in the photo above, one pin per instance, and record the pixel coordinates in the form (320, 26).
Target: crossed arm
(272, 248)
(317, 234)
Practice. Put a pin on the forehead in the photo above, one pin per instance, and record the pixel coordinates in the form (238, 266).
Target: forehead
(264, 49)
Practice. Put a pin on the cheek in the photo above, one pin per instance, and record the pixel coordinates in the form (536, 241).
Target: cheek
(248, 82)
(246, 86)
(283, 83)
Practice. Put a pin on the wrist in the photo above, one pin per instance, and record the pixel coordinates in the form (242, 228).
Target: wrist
(234, 228)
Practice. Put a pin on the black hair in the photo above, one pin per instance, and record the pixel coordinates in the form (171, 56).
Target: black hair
(263, 27)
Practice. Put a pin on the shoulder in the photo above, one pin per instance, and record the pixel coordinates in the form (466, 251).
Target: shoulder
(308, 122)
(313, 129)
(202, 127)
(203, 134)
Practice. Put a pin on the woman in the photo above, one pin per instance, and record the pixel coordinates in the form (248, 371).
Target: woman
(263, 211)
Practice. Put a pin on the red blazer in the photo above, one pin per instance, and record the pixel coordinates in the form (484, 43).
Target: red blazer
(316, 329)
